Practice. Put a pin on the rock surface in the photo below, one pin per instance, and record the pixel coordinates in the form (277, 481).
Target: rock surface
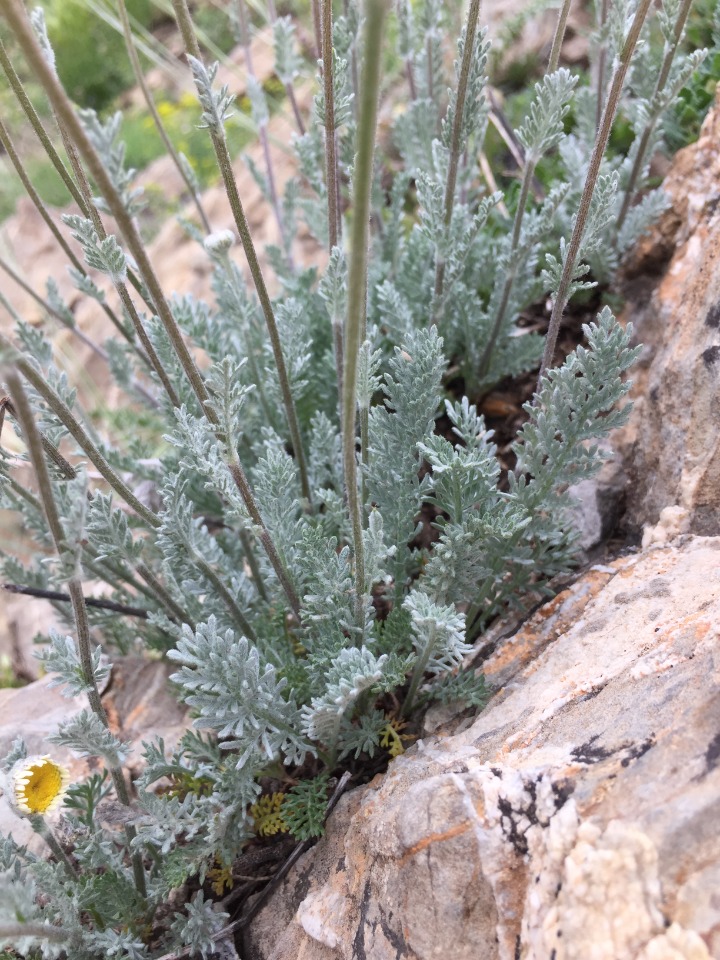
(577, 818)
(673, 438)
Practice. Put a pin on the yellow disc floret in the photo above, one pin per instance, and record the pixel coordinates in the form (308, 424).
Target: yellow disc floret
(38, 784)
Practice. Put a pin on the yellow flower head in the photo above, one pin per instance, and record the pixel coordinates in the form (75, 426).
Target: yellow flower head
(37, 785)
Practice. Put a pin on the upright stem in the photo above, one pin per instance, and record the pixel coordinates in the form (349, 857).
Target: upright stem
(331, 168)
(79, 434)
(36, 124)
(510, 278)
(559, 36)
(357, 281)
(225, 164)
(601, 140)
(262, 126)
(42, 828)
(602, 57)
(650, 126)
(140, 78)
(456, 145)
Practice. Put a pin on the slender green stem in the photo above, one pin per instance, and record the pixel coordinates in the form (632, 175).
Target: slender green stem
(418, 673)
(456, 144)
(226, 171)
(249, 552)
(375, 11)
(602, 58)
(36, 124)
(331, 171)
(84, 649)
(163, 596)
(262, 130)
(79, 434)
(512, 271)
(227, 598)
(670, 51)
(31, 435)
(331, 166)
(169, 147)
(596, 158)
(559, 36)
(43, 829)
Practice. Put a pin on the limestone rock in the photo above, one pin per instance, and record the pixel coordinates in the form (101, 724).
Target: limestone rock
(576, 818)
(674, 459)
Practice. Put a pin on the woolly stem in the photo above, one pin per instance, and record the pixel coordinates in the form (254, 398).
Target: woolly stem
(262, 128)
(43, 829)
(510, 277)
(418, 673)
(596, 158)
(79, 434)
(331, 165)
(357, 281)
(225, 164)
(456, 140)
(671, 50)
(36, 124)
(559, 36)
(169, 147)
(602, 58)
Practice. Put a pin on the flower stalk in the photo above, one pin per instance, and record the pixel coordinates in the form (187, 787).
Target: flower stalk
(601, 140)
(357, 281)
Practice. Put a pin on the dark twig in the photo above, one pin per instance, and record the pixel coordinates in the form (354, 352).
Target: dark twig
(59, 596)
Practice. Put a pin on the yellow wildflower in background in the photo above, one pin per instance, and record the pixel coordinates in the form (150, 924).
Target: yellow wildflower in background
(37, 784)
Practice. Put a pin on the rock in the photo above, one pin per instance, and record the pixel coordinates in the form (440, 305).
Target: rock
(674, 456)
(576, 818)
(139, 706)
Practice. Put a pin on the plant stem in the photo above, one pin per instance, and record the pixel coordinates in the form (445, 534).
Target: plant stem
(57, 596)
(36, 124)
(73, 426)
(331, 165)
(559, 36)
(249, 552)
(262, 127)
(225, 164)
(357, 281)
(671, 50)
(602, 57)
(169, 147)
(510, 277)
(596, 158)
(417, 674)
(456, 145)
(163, 597)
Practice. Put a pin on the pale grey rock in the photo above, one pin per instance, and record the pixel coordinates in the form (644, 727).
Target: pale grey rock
(576, 818)
(673, 442)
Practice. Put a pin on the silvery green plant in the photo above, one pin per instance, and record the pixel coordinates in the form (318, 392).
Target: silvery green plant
(260, 529)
